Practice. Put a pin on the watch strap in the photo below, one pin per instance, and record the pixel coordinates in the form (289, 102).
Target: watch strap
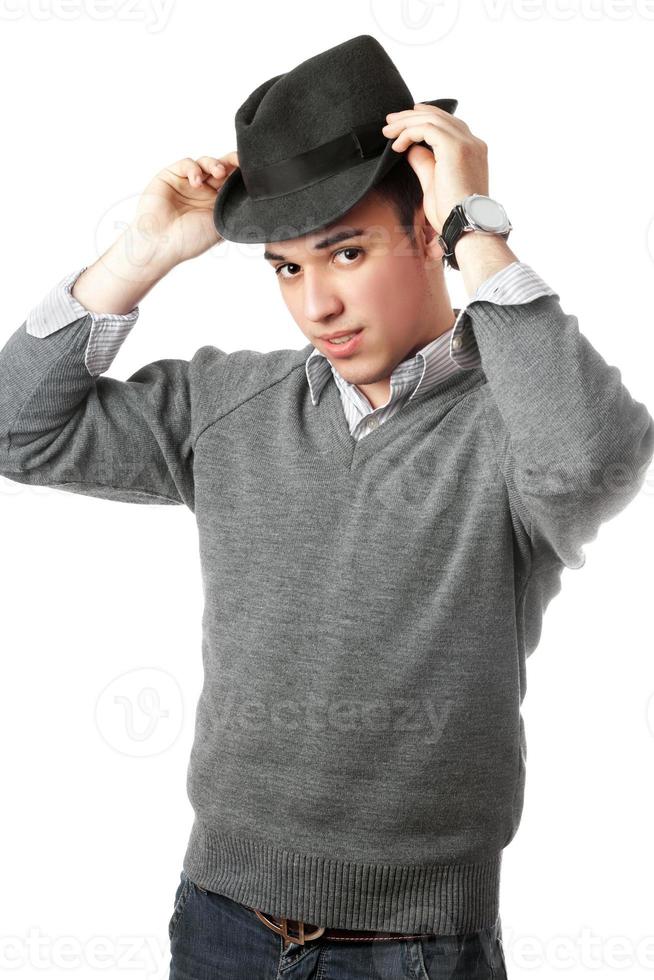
(455, 223)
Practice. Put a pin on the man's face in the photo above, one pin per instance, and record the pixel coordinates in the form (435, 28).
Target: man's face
(377, 281)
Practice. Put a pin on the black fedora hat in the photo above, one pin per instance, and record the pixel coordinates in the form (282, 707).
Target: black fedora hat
(310, 143)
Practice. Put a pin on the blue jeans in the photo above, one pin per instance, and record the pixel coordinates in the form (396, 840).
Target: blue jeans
(213, 937)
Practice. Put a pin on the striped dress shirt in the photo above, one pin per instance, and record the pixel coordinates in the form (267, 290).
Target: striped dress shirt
(453, 351)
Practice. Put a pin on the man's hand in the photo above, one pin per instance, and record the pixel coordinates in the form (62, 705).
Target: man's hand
(175, 211)
(461, 166)
(173, 222)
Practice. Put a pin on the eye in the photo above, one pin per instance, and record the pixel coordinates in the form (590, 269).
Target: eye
(348, 248)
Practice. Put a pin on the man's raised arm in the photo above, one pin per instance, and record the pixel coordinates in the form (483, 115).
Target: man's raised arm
(573, 443)
(64, 425)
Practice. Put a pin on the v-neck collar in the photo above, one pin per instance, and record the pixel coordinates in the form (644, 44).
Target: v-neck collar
(353, 452)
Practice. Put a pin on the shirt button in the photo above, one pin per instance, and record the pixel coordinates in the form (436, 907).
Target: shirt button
(456, 342)
(373, 422)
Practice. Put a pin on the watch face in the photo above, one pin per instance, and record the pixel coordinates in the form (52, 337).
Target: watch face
(487, 213)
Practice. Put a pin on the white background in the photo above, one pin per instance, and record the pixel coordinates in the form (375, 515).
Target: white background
(96, 99)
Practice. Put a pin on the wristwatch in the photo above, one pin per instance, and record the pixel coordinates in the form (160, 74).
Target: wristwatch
(476, 212)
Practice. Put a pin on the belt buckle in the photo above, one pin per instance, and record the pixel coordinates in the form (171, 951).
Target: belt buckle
(282, 929)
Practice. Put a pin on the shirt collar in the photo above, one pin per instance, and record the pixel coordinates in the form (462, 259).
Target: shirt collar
(416, 373)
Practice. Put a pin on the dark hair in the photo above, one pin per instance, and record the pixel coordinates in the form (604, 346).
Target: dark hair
(401, 188)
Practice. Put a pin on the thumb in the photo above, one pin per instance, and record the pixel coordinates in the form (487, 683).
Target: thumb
(422, 161)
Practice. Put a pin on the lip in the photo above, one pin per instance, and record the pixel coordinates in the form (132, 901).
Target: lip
(342, 350)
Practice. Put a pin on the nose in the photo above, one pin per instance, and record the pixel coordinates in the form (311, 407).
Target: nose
(320, 301)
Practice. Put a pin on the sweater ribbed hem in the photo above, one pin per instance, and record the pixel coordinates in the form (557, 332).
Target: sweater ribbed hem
(445, 899)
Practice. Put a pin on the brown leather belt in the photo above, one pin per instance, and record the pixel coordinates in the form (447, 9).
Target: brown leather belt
(308, 931)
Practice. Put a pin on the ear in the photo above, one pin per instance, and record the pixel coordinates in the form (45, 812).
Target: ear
(429, 237)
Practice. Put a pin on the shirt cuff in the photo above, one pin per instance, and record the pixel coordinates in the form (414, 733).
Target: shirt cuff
(515, 283)
(59, 308)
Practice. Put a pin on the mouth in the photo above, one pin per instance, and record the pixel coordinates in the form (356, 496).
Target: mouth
(340, 347)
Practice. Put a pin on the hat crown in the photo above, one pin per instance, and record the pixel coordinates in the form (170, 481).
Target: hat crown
(310, 143)
(349, 85)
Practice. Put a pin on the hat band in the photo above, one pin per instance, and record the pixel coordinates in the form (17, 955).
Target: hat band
(332, 157)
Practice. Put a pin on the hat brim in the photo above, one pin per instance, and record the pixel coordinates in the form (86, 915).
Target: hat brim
(239, 218)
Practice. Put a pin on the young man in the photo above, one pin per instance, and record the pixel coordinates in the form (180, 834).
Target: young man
(382, 523)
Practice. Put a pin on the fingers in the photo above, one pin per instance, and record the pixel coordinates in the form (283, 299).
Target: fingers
(431, 113)
(231, 158)
(212, 170)
(213, 166)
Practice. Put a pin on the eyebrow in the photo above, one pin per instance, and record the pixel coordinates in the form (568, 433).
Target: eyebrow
(338, 236)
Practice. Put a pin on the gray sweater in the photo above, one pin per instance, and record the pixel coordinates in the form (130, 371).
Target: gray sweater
(359, 753)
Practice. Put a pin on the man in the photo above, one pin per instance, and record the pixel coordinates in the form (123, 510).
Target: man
(382, 522)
